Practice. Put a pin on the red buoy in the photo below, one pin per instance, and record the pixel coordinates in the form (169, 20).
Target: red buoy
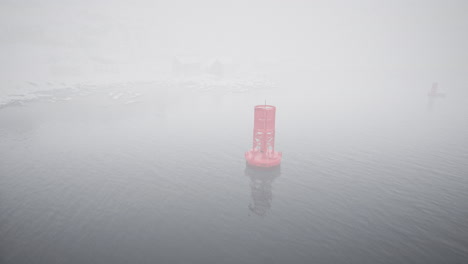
(263, 152)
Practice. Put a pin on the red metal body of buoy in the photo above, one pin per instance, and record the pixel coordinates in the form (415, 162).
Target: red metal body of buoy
(263, 152)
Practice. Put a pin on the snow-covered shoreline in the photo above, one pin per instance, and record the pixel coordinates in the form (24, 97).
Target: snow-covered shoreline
(33, 91)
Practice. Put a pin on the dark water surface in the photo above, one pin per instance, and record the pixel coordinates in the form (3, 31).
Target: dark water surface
(149, 174)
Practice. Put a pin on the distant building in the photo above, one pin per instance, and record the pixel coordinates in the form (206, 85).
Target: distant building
(216, 68)
(221, 67)
(190, 66)
(186, 66)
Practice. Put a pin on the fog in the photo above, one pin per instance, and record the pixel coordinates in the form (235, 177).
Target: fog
(71, 38)
(123, 128)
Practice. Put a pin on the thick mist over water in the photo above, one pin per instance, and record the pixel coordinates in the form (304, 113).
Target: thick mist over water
(123, 128)
(117, 40)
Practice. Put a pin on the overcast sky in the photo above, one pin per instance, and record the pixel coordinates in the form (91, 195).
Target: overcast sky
(429, 36)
